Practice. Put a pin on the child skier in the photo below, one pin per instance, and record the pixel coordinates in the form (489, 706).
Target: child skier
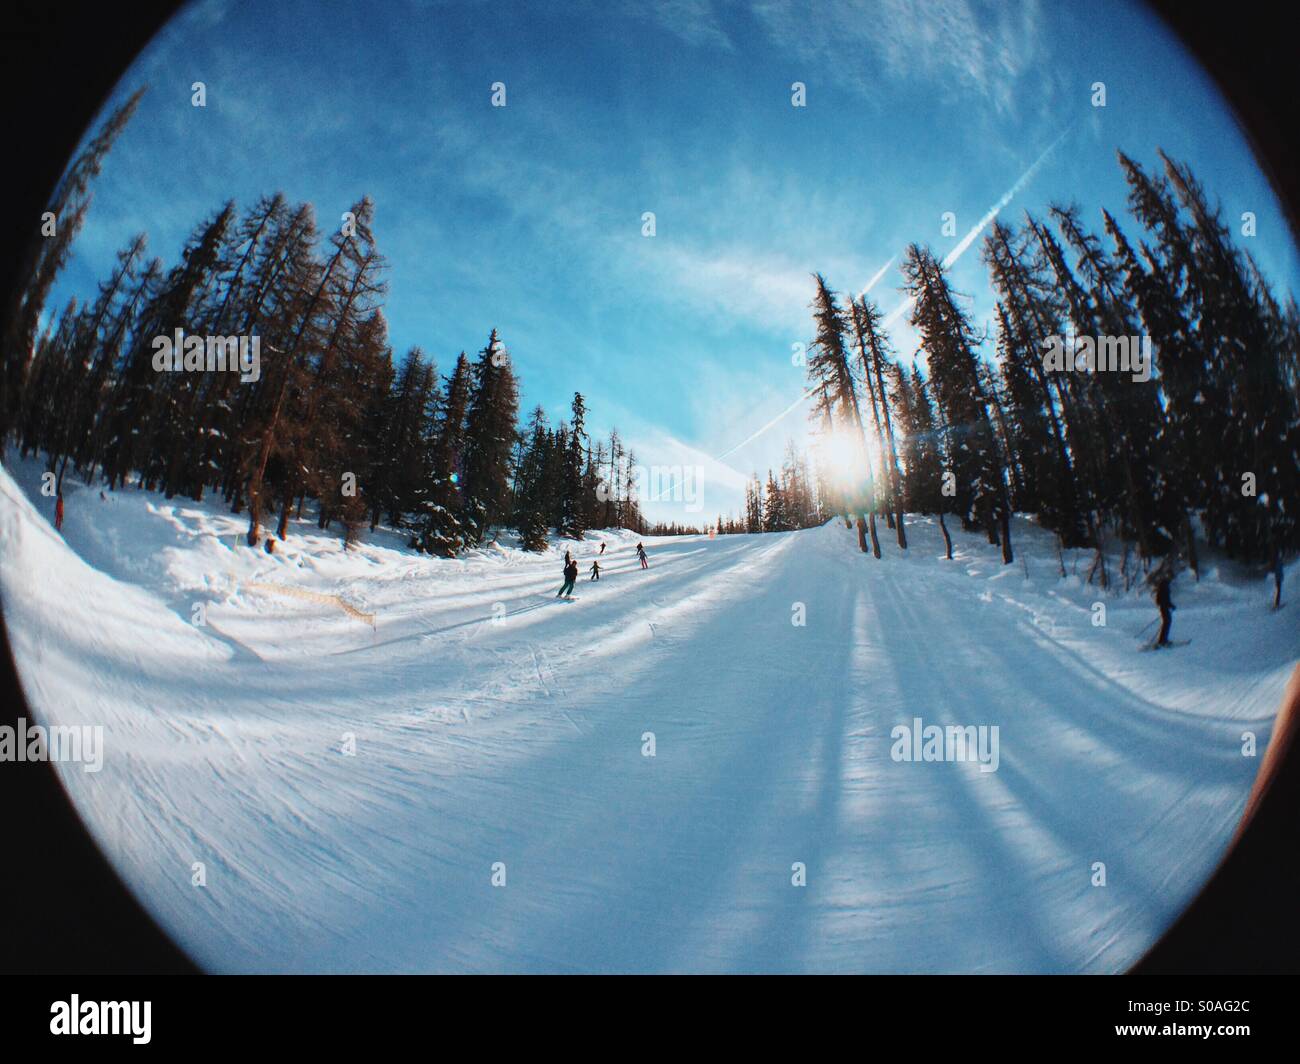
(640, 553)
(595, 570)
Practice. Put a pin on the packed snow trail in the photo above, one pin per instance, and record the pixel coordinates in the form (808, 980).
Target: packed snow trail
(494, 724)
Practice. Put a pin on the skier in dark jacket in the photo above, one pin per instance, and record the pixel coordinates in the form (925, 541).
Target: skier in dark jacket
(1165, 604)
(595, 570)
(570, 578)
(640, 553)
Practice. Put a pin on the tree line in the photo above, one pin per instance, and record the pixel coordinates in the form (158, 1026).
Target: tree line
(793, 497)
(1212, 434)
(1210, 437)
(327, 417)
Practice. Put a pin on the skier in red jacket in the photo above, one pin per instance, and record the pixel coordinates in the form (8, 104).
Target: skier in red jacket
(58, 513)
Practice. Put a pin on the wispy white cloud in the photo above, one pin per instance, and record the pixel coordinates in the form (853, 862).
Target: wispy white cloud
(758, 287)
(696, 22)
(955, 47)
(681, 482)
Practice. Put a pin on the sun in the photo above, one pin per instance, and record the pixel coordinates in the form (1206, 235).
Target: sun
(841, 458)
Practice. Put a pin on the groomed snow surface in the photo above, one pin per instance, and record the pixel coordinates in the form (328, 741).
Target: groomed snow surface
(494, 724)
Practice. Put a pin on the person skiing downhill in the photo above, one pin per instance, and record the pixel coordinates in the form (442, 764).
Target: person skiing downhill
(595, 570)
(1165, 604)
(602, 548)
(58, 513)
(570, 578)
(640, 553)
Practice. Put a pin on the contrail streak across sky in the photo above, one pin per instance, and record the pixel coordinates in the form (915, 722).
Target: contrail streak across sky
(952, 256)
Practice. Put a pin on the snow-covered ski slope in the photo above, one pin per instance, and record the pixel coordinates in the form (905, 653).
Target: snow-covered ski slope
(494, 725)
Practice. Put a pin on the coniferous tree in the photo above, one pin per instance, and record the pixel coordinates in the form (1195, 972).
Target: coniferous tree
(341, 337)
(439, 525)
(873, 353)
(573, 504)
(94, 348)
(754, 505)
(1031, 314)
(47, 254)
(153, 422)
(296, 324)
(403, 434)
(530, 499)
(949, 341)
(923, 450)
(489, 440)
(828, 367)
(1242, 344)
(774, 516)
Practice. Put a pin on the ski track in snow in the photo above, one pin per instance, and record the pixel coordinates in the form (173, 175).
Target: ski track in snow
(519, 740)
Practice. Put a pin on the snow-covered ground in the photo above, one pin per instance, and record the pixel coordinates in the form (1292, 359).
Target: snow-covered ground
(493, 723)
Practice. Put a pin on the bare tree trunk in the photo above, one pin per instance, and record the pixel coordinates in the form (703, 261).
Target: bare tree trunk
(1098, 566)
(947, 539)
(282, 529)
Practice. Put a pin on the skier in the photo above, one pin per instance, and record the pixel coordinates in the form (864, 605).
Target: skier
(570, 578)
(595, 570)
(58, 512)
(640, 553)
(1162, 580)
(602, 548)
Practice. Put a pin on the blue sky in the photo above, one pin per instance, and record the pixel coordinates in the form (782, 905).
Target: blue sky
(527, 218)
